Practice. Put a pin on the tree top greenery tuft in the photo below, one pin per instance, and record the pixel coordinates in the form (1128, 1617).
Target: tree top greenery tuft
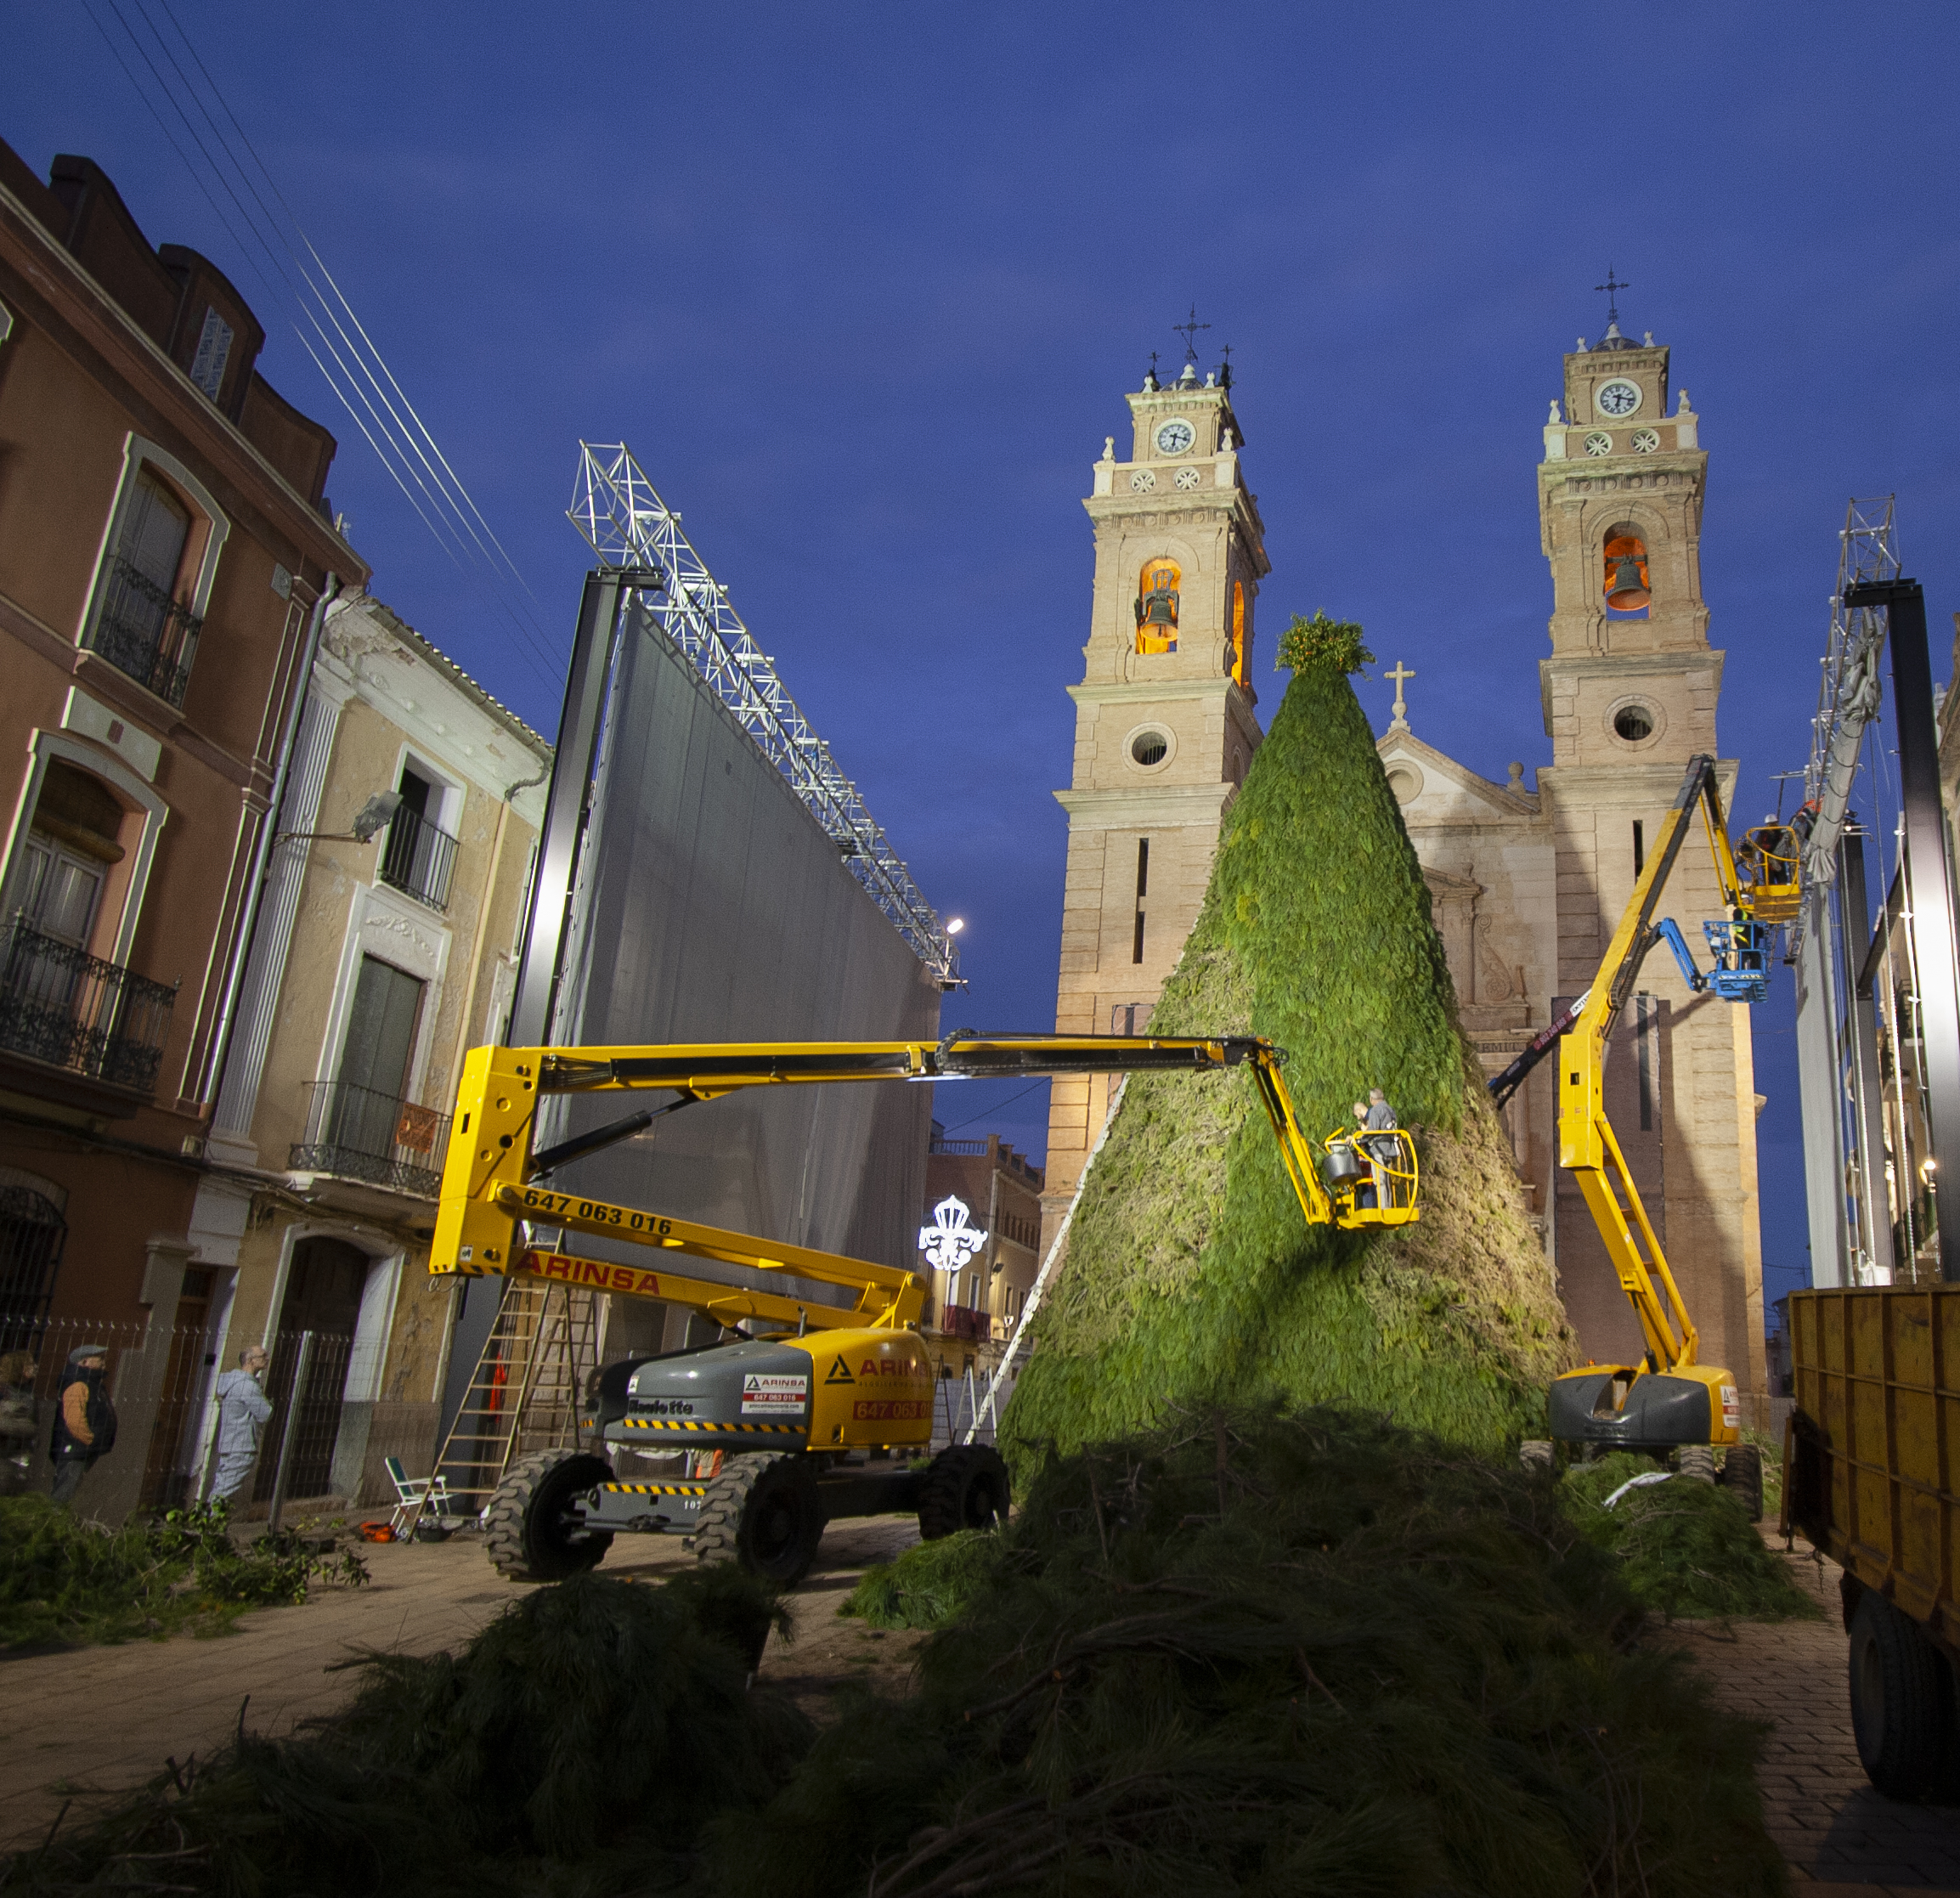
(1323, 641)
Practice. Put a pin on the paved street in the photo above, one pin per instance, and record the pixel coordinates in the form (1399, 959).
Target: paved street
(137, 1705)
(149, 1701)
(1841, 1838)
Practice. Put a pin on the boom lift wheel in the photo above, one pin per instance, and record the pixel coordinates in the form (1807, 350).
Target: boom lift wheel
(965, 1487)
(1743, 1477)
(1899, 1713)
(530, 1529)
(764, 1512)
(1697, 1461)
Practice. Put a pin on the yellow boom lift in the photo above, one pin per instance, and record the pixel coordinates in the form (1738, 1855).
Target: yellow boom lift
(784, 1429)
(1667, 1399)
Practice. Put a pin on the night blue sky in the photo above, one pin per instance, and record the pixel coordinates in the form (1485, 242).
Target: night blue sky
(862, 286)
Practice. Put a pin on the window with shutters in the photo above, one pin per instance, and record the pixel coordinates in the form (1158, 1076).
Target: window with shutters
(147, 609)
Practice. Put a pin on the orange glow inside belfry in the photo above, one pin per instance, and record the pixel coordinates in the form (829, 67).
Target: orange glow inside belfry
(1239, 632)
(1157, 606)
(1626, 574)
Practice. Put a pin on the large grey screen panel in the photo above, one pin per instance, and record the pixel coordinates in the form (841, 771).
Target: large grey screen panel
(711, 906)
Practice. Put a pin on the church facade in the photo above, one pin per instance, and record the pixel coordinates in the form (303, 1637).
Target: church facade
(1527, 882)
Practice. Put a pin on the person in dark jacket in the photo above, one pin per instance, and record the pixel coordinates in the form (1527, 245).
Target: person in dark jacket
(84, 1421)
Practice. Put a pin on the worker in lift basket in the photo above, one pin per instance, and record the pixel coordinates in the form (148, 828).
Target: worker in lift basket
(1382, 1153)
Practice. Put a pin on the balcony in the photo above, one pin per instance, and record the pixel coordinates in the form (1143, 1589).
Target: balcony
(63, 1006)
(360, 1133)
(419, 858)
(964, 1321)
(143, 631)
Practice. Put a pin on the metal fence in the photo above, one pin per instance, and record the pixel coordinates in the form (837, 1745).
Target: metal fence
(162, 1381)
(61, 1005)
(362, 1133)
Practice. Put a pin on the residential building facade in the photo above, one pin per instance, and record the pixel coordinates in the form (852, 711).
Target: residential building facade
(376, 965)
(165, 550)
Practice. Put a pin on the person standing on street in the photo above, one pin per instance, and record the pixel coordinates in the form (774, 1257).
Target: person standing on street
(243, 1407)
(19, 1417)
(84, 1421)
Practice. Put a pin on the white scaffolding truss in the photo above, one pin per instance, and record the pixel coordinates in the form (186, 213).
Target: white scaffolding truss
(1849, 693)
(619, 513)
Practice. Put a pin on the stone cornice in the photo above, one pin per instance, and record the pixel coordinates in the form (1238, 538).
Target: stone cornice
(152, 383)
(1666, 658)
(1139, 691)
(1158, 804)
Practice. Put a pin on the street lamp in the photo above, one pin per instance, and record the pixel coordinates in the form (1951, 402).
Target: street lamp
(376, 814)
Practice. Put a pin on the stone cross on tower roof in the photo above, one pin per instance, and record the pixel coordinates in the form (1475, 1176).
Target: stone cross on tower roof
(1399, 674)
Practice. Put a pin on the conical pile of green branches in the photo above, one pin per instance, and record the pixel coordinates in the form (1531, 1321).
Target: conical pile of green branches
(1190, 1275)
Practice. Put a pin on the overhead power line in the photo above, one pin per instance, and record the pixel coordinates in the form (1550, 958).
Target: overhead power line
(272, 242)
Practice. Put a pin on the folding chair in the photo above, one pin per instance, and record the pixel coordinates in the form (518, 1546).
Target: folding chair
(412, 1495)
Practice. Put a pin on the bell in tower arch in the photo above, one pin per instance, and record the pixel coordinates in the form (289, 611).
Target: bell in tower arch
(1157, 608)
(1627, 590)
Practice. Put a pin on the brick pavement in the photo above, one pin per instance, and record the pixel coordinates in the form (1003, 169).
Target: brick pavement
(107, 1718)
(1841, 1838)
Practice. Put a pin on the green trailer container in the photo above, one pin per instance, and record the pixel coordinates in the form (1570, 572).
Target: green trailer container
(1869, 1477)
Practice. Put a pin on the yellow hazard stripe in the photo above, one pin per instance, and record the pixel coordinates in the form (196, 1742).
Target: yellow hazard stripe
(656, 1489)
(672, 1423)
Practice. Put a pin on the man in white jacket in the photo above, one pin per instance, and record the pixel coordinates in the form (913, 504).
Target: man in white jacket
(242, 1410)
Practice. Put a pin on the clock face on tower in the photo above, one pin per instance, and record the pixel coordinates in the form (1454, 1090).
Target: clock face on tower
(1617, 398)
(1175, 437)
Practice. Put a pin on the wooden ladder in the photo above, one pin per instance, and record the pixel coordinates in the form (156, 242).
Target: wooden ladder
(525, 1394)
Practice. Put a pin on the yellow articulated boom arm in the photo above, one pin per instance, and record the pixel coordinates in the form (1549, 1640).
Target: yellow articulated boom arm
(494, 1178)
(1587, 1146)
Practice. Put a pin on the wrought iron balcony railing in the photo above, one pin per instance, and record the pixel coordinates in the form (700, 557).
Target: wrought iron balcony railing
(361, 1133)
(143, 631)
(420, 858)
(964, 1321)
(61, 1005)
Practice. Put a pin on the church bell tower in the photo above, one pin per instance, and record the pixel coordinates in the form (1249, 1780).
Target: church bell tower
(1629, 693)
(1164, 723)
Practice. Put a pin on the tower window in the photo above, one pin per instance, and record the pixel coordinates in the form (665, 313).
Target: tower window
(1238, 654)
(1142, 868)
(1157, 606)
(1136, 947)
(1149, 748)
(1640, 839)
(1634, 723)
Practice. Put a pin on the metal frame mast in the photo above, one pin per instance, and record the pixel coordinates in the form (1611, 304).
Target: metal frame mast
(1836, 1063)
(620, 514)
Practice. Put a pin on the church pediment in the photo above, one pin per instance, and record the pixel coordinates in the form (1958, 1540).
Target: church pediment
(1433, 789)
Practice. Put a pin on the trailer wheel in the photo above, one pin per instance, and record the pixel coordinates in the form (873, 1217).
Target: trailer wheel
(764, 1512)
(1743, 1477)
(1898, 1715)
(967, 1487)
(530, 1530)
(1697, 1461)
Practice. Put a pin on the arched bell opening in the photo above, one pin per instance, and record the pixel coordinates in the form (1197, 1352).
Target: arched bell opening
(1238, 654)
(1626, 583)
(1157, 606)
